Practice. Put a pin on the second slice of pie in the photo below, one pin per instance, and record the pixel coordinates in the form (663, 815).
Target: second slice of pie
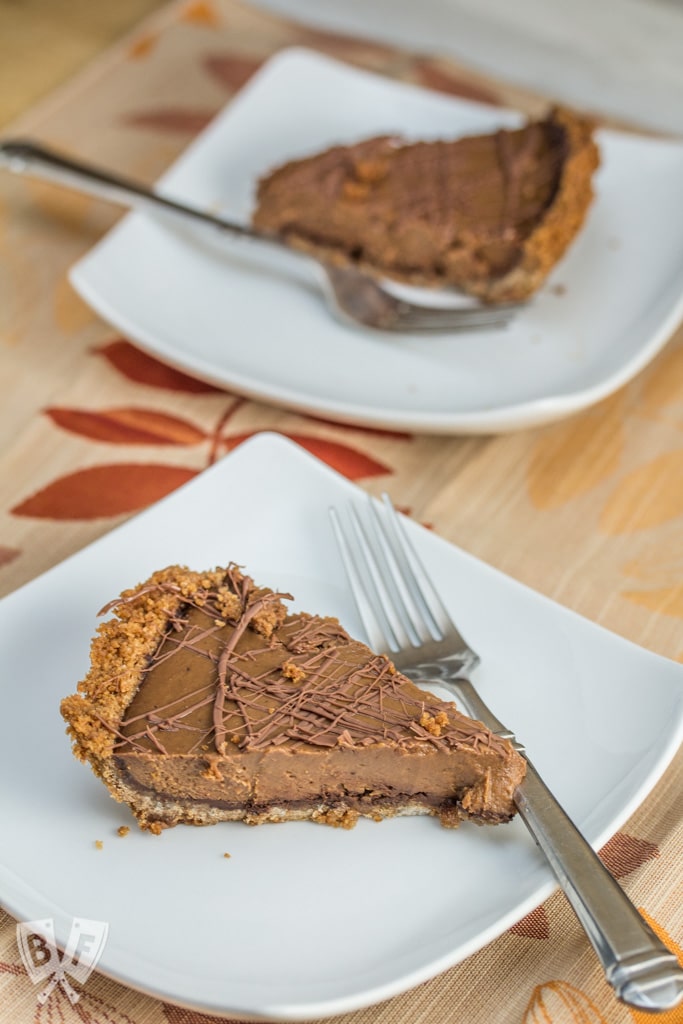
(488, 214)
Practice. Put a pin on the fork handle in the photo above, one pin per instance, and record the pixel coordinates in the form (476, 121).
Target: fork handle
(640, 968)
(24, 157)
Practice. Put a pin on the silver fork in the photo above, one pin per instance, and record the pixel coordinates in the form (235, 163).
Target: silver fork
(351, 295)
(405, 618)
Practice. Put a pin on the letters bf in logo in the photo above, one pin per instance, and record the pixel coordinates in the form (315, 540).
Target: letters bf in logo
(41, 958)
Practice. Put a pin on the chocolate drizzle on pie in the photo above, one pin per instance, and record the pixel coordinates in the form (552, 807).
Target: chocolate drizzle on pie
(488, 214)
(222, 702)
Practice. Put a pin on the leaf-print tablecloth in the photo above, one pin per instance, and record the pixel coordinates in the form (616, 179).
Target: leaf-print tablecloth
(588, 511)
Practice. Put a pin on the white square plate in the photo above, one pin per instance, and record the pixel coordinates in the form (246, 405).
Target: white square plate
(256, 323)
(306, 921)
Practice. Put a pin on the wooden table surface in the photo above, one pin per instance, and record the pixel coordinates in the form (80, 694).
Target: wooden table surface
(44, 42)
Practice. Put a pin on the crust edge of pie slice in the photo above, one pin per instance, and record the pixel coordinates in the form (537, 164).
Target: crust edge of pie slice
(490, 215)
(208, 701)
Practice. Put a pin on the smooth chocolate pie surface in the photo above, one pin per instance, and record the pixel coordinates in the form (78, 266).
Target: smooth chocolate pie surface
(207, 701)
(488, 214)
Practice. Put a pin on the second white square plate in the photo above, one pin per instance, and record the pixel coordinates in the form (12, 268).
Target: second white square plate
(229, 313)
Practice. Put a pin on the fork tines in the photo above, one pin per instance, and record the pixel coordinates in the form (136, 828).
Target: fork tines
(397, 602)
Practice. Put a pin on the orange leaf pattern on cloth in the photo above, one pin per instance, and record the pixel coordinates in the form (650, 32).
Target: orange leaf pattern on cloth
(647, 496)
(665, 600)
(201, 12)
(534, 926)
(623, 853)
(656, 564)
(348, 461)
(178, 120)
(8, 554)
(661, 570)
(101, 491)
(231, 70)
(128, 426)
(560, 1001)
(8, 968)
(575, 456)
(429, 74)
(143, 369)
(142, 46)
(674, 1016)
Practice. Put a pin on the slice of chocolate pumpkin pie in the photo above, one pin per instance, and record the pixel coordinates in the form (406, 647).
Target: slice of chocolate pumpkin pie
(489, 214)
(207, 701)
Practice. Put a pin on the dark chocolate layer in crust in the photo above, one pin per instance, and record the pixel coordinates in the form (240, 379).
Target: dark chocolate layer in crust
(371, 806)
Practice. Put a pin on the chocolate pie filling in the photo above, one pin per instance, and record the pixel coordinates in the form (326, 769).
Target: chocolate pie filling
(207, 701)
(488, 214)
